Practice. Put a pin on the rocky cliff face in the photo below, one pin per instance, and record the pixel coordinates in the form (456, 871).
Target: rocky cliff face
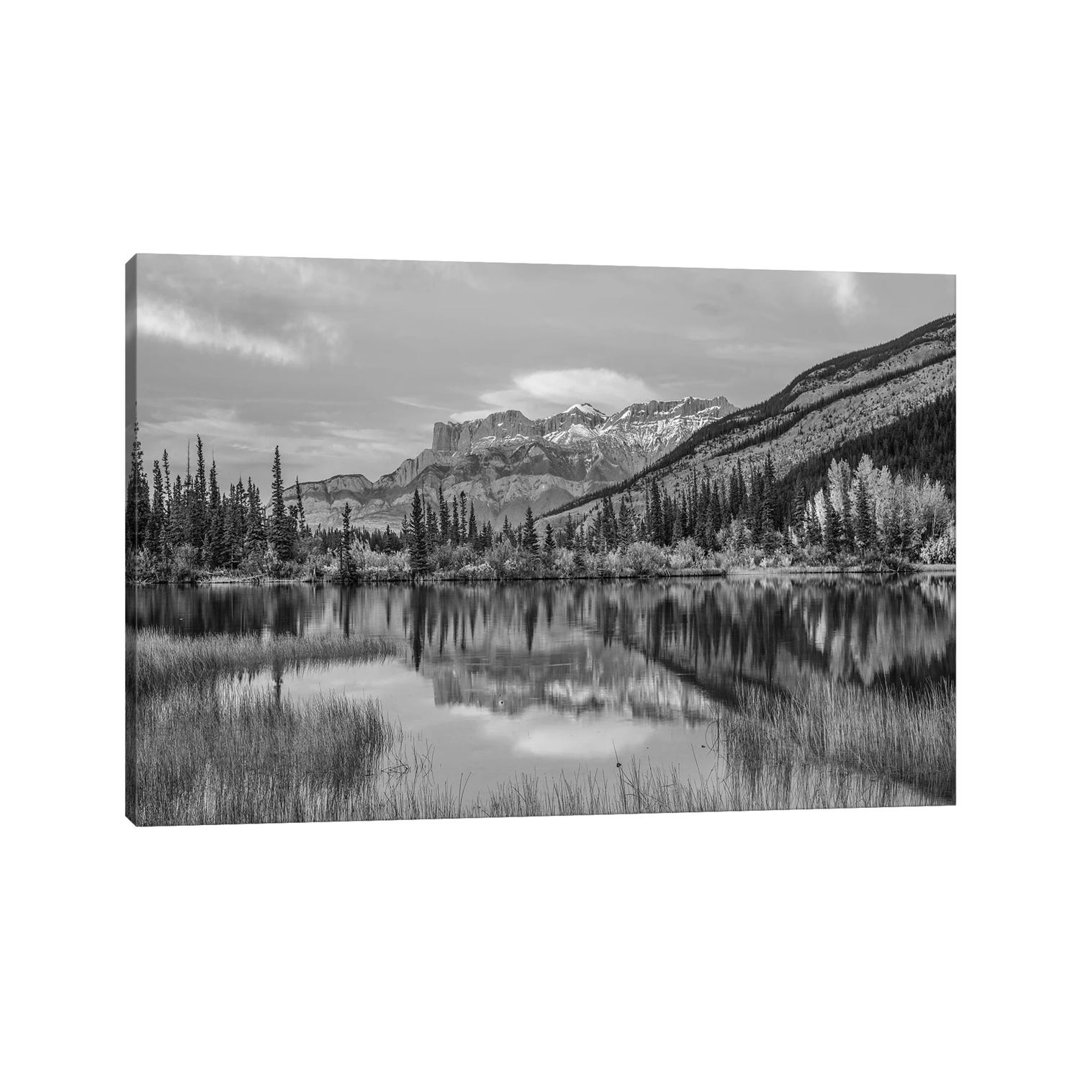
(506, 462)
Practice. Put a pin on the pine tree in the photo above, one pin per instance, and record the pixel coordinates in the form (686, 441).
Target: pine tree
(301, 520)
(418, 558)
(472, 524)
(865, 526)
(444, 517)
(198, 507)
(189, 502)
(626, 527)
(345, 561)
(768, 495)
(549, 541)
(281, 532)
(155, 532)
(176, 532)
(529, 540)
(831, 530)
(256, 523)
(216, 553)
(138, 498)
(656, 514)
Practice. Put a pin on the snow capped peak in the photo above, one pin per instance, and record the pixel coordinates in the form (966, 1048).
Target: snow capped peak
(585, 407)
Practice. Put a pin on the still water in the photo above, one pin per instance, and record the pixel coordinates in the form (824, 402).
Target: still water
(553, 678)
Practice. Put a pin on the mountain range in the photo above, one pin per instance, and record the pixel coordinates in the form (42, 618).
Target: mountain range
(506, 462)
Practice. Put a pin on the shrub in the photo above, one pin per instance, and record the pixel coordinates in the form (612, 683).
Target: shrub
(941, 549)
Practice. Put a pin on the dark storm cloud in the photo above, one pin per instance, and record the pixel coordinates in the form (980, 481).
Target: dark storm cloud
(346, 364)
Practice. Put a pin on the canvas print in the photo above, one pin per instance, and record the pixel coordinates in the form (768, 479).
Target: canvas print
(432, 539)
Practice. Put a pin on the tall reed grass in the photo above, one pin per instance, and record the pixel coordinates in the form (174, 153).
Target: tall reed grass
(906, 736)
(158, 662)
(207, 755)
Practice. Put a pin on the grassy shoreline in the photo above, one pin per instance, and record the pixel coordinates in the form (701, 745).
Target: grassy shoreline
(446, 578)
(158, 661)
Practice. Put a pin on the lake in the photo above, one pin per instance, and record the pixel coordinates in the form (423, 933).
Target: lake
(553, 679)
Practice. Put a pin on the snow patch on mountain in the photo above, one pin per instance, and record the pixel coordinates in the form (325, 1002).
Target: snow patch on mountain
(506, 462)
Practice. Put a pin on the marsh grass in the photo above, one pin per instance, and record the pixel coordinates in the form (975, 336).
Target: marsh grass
(906, 736)
(158, 662)
(242, 754)
(643, 789)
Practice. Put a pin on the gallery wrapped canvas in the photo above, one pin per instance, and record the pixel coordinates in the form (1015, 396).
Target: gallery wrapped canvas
(424, 539)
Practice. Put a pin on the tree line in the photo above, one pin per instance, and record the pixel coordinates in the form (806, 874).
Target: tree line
(181, 524)
(181, 527)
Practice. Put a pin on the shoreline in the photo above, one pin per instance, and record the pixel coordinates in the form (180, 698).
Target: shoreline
(728, 572)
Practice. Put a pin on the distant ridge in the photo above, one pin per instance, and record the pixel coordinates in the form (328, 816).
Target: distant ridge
(834, 400)
(506, 462)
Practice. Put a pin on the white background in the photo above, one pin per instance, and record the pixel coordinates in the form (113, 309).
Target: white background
(916, 137)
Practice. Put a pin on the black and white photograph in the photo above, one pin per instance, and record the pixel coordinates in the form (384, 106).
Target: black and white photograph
(539, 540)
(426, 539)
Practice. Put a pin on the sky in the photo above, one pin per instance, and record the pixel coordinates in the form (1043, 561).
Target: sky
(347, 364)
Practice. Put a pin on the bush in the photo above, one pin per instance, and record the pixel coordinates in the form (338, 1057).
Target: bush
(563, 564)
(185, 565)
(941, 549)
(481, 571)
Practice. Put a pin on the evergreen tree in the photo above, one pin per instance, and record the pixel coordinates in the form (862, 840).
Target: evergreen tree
(156, 531)
(656, 514)
(256, 523)
(345, 560)
(831, 530)
(418, 559)
(301, 520)
(549, 541)
(768, 495)
(626, 527)
(529, 540)
(189, 503)
(281, 531)
(472, 524)
(176, 532)
(138, 498)
(444, 517)
(198, 506)
(216, 550)
(865, 526)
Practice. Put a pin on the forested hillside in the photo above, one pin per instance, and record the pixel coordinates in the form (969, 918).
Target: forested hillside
(924, 442)
(824, 408)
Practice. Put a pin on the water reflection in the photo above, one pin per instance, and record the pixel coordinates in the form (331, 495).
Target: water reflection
(550, 678)
(589, 647)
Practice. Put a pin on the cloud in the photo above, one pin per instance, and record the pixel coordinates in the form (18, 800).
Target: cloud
(199, 330)
(546, 391)
(417, 404)
(843, 291)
